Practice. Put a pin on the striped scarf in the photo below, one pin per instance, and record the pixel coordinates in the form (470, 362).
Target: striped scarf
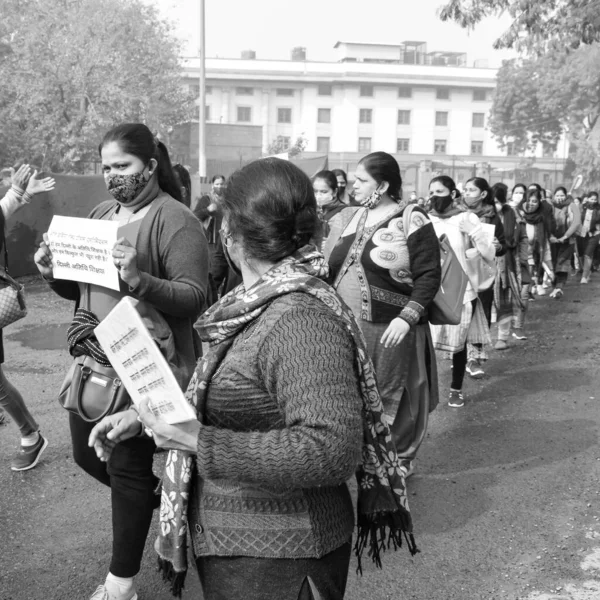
(81, 338)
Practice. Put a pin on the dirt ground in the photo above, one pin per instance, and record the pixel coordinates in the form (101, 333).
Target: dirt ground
(505, 497)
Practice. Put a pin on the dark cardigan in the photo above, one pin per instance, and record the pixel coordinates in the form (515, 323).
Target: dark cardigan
(390, 298)
(172, 257)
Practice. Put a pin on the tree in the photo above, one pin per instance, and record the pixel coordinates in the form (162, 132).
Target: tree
(281, 144)
(538, 25)
(553, 88)
(71, 69)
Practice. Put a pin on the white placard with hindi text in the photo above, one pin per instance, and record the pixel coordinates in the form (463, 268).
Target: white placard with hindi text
(82, 250)
(136, 358)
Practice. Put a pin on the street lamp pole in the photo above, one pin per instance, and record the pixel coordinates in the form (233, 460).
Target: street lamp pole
(202, 98)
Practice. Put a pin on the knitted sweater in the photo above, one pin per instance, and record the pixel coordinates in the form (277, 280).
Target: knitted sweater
(282, 434)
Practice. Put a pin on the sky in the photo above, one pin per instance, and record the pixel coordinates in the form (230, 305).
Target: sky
(273, 27)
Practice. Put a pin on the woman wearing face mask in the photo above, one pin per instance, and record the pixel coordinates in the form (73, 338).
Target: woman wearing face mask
(343, 193)
(589, 234)
(287, 403)
(328, 204)
(511, 288)
(562, 240)
(388, 272)
(477, 198)
(163, 262)
(464, 231)
(519, 192)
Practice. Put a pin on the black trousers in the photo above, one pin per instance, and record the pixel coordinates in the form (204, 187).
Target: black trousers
(132, 482)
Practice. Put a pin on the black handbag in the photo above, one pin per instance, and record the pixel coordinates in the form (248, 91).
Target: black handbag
(92, 390)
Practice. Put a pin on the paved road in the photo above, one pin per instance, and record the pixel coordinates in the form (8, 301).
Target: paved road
(505, 497)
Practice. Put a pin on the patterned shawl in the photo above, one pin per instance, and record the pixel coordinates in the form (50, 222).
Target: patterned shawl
(383, 513)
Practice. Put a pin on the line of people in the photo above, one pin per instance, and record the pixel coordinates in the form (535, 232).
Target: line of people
(321, 360)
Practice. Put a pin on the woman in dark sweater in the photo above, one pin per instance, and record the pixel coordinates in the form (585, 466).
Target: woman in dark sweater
(163, 262)
(287, 404)
(387, 269)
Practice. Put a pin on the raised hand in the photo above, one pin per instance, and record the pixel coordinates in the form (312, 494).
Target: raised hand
(37, 186)
(21, 177)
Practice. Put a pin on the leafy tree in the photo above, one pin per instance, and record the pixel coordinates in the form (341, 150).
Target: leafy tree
(281, 144)
(554, 87)
(538, 25)
(71, 69)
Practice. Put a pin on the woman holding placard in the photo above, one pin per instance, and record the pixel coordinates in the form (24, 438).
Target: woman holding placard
(162, 260)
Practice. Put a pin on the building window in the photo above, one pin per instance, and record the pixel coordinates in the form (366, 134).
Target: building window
(366, 90)
(477, 148)
(209, 89)
(284, 115)
(442, 93)
(244, 114)
(324, 115)
(441, 119)
(244, 91)
(195, 90)
(478, 120)
(324, 89)
(547, 151)
(404, 117)
(323, 145)
(404, 91)
(365, 115)
(283, 141)
(439, 147)
(402, 145)
(206, 113)
(479, 95)
(510, 149)
(285, 92)
(364, 144)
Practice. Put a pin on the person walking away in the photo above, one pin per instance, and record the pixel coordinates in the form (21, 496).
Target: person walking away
(287, 405)
(24, 186)
(463, 229)
(388, 272)
(589, 235)
(562, 241)
(165, 266)
(477, 198)
(185, 184)
(511, 288)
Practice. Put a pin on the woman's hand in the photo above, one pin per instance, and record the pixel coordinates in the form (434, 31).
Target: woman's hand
(20, 178)
(395, 333)
(553, 240)
(183, 436)
(113, 429)
(497, 245)
(37, 186)
(43, 259)
(125, 259)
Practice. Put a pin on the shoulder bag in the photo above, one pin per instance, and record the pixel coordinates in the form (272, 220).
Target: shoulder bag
(12, 296)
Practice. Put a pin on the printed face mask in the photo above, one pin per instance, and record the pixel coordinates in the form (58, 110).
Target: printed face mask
(125, 188)
(440, 203)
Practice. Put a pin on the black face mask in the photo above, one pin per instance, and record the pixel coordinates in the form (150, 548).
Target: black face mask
(440, 203)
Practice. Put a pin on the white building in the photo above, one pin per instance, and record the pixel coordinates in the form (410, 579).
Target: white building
(420, 106)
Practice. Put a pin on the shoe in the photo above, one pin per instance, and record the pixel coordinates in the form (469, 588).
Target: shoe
(540, 290)
(456, 399)
(29, 456)
(553, 294)
(408, 467)
(102, 593)
(501, 345)
(557, 294)
(585, 280)
(519, 337)
(2, 417)
(474, 370)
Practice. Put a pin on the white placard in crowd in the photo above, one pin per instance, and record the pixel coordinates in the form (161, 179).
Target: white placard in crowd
(82, 250)
(136, 358)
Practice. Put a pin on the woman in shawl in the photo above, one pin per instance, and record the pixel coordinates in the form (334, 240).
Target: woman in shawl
(589, 234)
(328, 204)
(287, 406)
(511, 288)
(464, 231)
(562, 240)
(477, 198)
(538, 227)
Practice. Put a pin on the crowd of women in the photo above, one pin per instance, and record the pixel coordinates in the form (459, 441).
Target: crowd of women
(314, 306)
